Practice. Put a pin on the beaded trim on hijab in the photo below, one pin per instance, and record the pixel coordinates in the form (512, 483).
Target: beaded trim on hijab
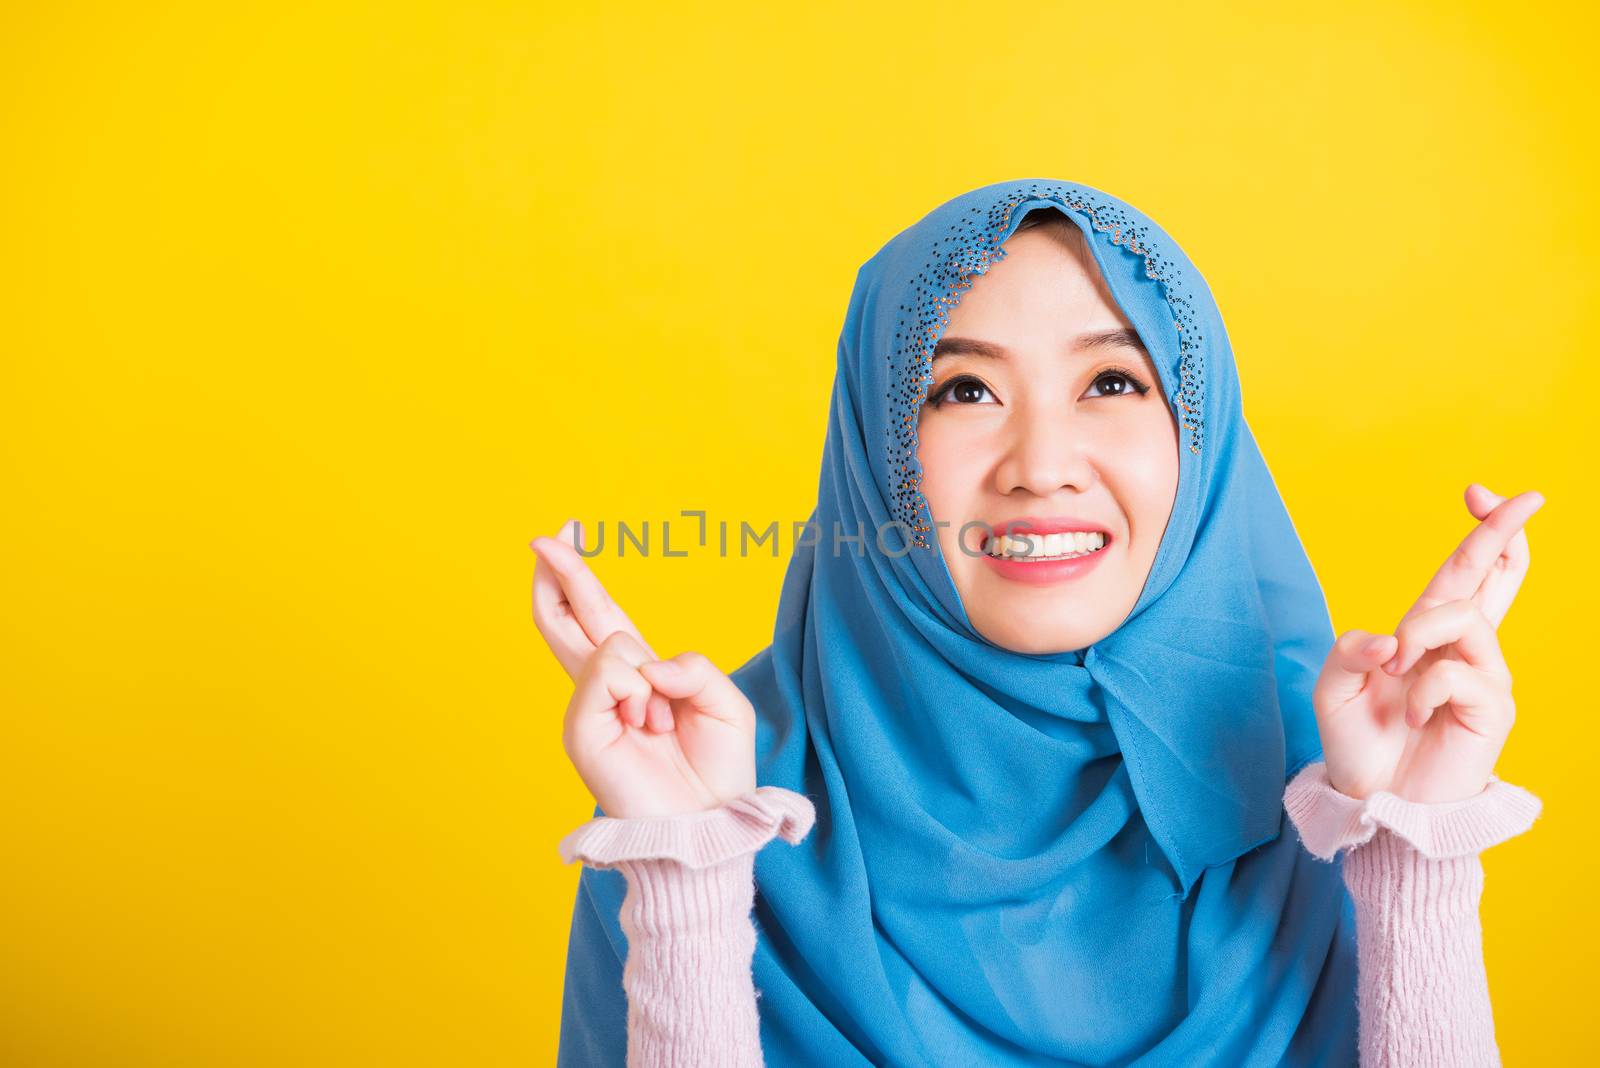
(971, 249)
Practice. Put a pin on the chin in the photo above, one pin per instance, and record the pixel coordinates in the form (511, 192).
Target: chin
(1038, 639)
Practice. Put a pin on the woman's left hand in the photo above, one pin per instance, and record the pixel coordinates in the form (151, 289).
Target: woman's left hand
(1423, 713)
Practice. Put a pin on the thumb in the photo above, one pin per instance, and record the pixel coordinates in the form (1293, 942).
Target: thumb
(692, 677)
(611, 680)
(1483, 501)
(1354, 654)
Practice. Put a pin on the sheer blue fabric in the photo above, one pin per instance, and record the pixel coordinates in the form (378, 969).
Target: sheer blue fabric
(1069, 859)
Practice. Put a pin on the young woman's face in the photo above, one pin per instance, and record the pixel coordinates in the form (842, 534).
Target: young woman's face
(1046, 413)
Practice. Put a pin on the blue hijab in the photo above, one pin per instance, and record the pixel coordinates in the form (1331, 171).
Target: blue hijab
(1020, 859)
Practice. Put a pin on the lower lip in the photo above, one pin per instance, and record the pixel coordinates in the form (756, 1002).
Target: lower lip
(1045, 572)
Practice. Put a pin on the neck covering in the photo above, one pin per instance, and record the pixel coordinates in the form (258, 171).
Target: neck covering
(1028, 859)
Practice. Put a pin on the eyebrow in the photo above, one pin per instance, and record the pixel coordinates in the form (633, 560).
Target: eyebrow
(968, 346)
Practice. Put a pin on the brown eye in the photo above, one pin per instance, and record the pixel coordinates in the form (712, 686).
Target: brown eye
(961, 390)
(1120, 383)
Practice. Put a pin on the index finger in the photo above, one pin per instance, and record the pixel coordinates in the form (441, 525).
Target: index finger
(1499, 590)
(591, 606)
(1463, 573)
(554, 617)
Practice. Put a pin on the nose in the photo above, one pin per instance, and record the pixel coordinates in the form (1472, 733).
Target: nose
(1045, 452)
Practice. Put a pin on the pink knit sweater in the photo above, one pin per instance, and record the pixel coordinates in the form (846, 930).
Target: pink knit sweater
(1412, 870)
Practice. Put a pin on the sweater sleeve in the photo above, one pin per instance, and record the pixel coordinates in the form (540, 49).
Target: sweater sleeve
(686, 915)
(1414, 874)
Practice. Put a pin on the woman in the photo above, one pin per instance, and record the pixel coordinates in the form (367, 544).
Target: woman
(1048, 771)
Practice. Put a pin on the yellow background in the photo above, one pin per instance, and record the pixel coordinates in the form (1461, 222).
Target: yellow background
(312, 315)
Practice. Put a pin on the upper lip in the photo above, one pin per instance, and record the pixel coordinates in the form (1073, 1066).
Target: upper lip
(1033, 524)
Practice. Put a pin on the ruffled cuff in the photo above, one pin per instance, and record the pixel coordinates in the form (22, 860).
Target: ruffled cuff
(1329, 821)
(695, 839)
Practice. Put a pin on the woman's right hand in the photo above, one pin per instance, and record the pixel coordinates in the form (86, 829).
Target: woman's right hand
(648, 737)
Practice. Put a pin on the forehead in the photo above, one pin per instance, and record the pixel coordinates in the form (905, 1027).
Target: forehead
(1042, 284)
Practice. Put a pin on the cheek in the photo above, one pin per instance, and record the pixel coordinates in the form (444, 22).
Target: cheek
(947, 482)
(1148, 466)
(952, 474)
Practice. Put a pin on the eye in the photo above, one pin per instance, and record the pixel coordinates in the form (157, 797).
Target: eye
(961, 390)
(1122, 383)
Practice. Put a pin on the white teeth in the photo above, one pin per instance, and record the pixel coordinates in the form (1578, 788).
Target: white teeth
(1046, 546)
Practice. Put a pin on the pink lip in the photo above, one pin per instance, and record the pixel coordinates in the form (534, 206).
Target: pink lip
(1044, 573)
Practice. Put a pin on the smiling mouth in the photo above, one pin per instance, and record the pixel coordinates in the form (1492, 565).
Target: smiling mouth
(1040, 548)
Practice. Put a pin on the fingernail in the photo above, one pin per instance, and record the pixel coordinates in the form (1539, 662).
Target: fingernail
(1393, 663)
(1372, 644)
